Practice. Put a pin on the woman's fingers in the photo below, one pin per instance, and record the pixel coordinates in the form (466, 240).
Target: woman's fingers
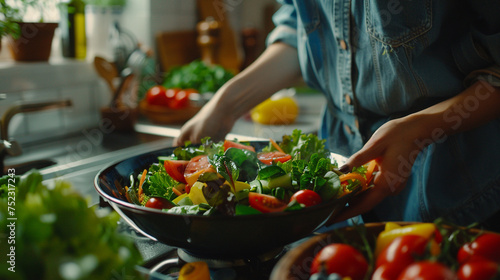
(384, 184)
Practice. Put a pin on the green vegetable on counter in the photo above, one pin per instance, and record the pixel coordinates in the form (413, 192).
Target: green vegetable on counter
(52, 233)
(197, 75)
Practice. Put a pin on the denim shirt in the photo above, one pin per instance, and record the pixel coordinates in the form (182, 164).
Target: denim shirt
(377, 60)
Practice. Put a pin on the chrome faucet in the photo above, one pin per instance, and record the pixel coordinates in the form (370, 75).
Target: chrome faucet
(10, 146)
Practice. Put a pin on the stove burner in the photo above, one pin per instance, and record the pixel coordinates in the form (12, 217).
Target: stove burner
(214, 262)
(256, 267)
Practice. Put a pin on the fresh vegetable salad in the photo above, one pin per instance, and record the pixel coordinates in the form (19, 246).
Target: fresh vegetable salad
(236, 178)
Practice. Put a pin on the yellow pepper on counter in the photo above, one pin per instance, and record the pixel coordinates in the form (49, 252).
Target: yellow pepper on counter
(194, 271)
(393, 230)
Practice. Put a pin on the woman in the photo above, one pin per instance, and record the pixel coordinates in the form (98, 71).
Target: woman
(412, 84)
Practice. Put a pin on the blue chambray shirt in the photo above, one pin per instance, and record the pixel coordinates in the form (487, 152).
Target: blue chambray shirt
(376, 60)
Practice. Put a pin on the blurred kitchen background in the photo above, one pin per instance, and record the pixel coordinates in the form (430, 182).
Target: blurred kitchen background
(62, 103)
(75, 78)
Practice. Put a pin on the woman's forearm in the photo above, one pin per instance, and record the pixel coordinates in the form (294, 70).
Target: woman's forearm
(475, 106)
(276, 68)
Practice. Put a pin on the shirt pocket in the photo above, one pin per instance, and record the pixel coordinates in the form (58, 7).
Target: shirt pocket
(397, 22)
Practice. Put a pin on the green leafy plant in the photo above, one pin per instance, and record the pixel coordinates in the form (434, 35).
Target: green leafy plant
(8, 16)
(56, 235)
(14, 11)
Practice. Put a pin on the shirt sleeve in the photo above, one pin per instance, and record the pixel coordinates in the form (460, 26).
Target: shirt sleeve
(285, 20)
(477, 54)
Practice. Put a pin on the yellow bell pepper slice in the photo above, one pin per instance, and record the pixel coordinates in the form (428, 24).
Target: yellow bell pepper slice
(239, 186)
(196, 193)
(179, 198)
(391, 226)
(194, 271)
(426, 230)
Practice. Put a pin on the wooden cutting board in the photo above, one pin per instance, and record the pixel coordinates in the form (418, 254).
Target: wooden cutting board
(176, 48)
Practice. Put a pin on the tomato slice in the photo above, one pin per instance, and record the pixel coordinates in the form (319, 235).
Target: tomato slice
(230, 144)
(270, 157)
(306, 197)
(176, 168)
(265, 203)
(197, 166)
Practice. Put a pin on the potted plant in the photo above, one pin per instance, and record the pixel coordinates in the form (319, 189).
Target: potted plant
(28, 32)
(7, 27)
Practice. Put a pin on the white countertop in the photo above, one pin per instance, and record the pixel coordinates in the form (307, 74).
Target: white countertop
(308, 120)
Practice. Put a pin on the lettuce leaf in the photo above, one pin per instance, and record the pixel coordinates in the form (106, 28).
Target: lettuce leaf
(302, 146)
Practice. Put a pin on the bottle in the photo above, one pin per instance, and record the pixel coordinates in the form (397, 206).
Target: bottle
(72, 26)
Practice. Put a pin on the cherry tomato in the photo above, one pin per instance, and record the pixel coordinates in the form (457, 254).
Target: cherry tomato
(270, 157)
(486, 246)
(159, 203)
(156, 95)
(176, 168)
(265, 203)
(401, 252)
(306, 197)
(427, 270)
(180, 99)
(478, 270)
(230, 144)
(386, 272)
(196, 166)
(342, 259)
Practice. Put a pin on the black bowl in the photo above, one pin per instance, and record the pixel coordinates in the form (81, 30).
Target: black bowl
(214, 236)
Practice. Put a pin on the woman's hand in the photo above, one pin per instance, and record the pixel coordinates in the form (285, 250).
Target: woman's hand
(397, 143)
(395, 148)
(209, 121)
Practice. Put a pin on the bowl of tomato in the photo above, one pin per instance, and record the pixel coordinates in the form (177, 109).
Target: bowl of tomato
(395, 250)
(169, 105)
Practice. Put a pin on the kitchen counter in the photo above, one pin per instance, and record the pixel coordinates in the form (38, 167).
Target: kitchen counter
(308, 120)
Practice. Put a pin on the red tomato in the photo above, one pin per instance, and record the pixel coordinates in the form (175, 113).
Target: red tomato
(486, 246)
(230, 144)
(427, 270)
(306, 197)
(156, 95)
(342, 259)
(265, 203)
(176, 168)
(270, 157)
(159, 203)
(386, 272)
(401, 252)
(196, 166)
(478, 270)
(181, 99)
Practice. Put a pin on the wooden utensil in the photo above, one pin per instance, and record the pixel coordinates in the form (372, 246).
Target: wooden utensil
(107, 70)
(125, 78)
